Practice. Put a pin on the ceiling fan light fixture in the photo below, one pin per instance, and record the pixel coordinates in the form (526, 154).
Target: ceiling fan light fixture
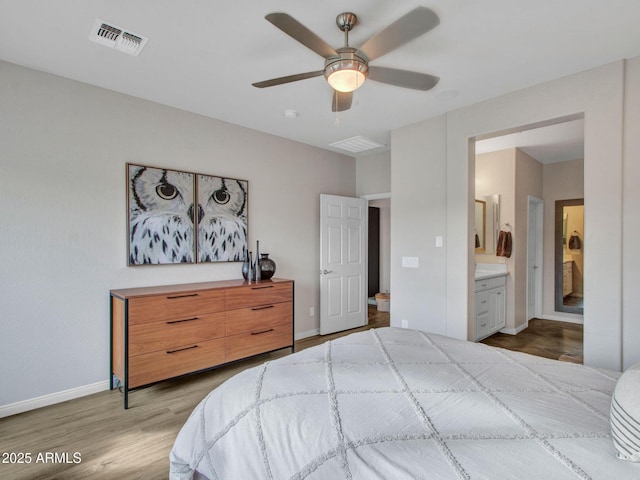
(346, 75)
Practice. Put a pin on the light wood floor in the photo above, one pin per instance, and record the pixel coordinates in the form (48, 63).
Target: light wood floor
(117, 443)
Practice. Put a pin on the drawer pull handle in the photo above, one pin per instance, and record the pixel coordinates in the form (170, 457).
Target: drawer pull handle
(483, 284)
(260, 288)
(182, 349)
(172, 322)
(173, 297)
(483, 301)
(262, 308)
(263, 331)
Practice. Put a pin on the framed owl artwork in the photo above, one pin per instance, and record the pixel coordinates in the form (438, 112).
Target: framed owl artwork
(181, 217)
(222, 219)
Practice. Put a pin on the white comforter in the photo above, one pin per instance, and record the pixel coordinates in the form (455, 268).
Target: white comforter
(400, 404)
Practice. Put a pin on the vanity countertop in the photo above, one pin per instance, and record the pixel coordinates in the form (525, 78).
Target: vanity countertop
(490, 270)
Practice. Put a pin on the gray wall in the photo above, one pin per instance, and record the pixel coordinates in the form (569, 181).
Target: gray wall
(63, 149)
(432, 184)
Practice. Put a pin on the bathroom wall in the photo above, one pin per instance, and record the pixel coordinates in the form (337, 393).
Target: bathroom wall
(529, 175)
(515, 175)
(495, 173)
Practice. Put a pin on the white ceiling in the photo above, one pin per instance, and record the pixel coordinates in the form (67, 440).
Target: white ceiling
(549, 144)
(202, 56)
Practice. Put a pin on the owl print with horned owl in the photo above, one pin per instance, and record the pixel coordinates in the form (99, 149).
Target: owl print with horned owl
(164, 214)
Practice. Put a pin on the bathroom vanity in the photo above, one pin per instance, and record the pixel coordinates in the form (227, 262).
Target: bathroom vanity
(490, 299)
(567, 277)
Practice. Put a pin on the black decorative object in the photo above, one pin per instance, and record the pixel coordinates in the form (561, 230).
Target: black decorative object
(267, 266)
(256, 269)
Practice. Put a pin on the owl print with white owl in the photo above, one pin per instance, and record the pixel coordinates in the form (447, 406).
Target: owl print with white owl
(166, 207)
(222, 219)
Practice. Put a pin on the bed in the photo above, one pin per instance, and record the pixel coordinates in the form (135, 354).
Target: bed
(394, 403)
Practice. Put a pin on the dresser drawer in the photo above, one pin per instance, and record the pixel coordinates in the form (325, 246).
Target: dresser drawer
(258, 318)
(175, 306)
(259, 341)
(166, 331)
(163, 364)
(258, 294)
(149, 337)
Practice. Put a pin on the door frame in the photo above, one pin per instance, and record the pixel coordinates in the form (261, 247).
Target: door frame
(377, 196)
(535, 206)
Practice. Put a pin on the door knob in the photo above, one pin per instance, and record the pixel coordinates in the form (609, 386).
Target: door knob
(324, 272)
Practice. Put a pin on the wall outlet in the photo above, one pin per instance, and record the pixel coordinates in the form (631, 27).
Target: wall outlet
(405, 323)
(312, 311)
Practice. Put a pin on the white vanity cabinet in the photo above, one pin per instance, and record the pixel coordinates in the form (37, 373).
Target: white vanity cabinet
(490, 306)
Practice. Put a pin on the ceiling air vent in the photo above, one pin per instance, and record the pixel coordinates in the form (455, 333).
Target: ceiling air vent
(357, 144)
(117, 38)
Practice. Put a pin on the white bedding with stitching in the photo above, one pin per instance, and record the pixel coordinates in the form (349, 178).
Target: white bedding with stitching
(401, 404)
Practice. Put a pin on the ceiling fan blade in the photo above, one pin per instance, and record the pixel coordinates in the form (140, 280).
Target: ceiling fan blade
(302, 34)
(341, 101)
(406, 28)
(403, 78)
(288, 79)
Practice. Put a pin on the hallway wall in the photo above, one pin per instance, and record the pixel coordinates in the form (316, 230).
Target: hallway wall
(561, 181)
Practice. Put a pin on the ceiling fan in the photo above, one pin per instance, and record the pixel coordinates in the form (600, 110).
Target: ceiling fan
(346, 68)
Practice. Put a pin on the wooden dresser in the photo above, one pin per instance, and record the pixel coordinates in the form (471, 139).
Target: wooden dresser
(166, 331)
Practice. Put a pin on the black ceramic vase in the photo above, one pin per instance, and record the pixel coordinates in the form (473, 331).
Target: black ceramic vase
(267, 266)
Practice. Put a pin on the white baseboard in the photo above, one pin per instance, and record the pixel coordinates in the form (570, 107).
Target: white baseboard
(52, 398)
(514, 331)
(308, 333)
(579, 319)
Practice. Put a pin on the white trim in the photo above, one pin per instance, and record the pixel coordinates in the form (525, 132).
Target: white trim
(376, 196)
(535, 206)
(514, 331)
(562, 318)
(308, 333)
(52, 398)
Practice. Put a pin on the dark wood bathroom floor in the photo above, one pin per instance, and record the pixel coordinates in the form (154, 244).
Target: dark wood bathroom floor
(545, 338)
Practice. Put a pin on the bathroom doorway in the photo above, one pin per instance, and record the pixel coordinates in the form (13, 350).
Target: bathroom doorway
(552, 169)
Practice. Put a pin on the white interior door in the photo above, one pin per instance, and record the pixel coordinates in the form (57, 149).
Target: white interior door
(534, 258)
(343, 263)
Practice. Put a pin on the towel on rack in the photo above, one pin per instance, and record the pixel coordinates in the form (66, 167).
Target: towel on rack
(504, 244)
(574, 242)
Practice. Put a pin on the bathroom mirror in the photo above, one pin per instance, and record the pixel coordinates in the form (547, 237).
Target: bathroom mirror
(569, 256)
(481, 226)
(490, 224)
